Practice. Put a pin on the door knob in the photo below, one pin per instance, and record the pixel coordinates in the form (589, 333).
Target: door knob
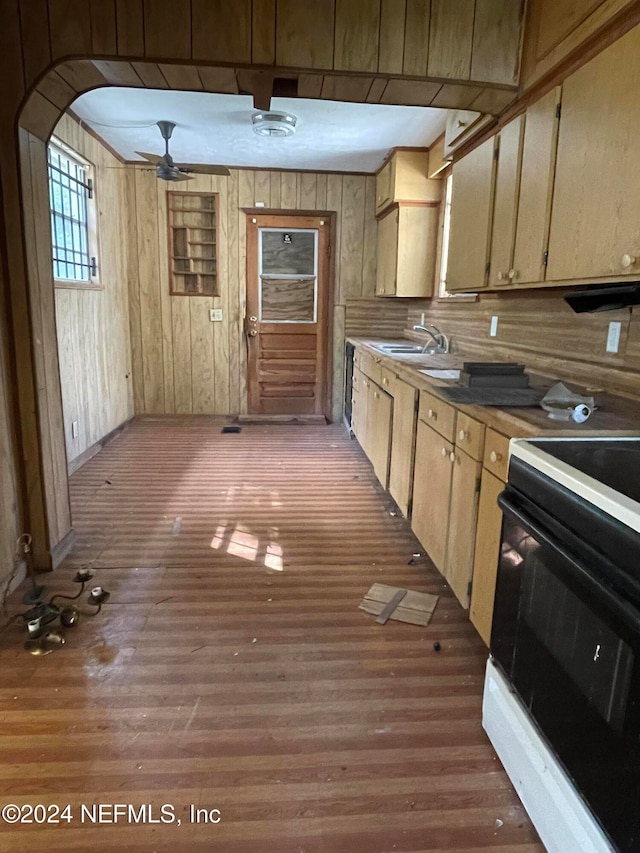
(252, 333)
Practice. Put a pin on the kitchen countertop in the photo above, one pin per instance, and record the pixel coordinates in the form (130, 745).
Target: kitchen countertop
(614, 415)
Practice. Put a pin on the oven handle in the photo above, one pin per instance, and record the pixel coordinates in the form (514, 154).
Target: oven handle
(616, 603)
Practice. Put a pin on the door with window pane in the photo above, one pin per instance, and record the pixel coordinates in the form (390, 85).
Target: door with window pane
(287, 314)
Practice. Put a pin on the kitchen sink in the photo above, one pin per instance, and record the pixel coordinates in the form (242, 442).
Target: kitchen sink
(392, 349)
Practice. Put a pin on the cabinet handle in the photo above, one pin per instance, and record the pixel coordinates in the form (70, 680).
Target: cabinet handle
(501, 276)
(461, 123)
(513, 274)
(462, 435)
(376, 395)
(452, 456)
(432, 414)
(495, 457)
(443, 452)
(628, 261)
(385, 381)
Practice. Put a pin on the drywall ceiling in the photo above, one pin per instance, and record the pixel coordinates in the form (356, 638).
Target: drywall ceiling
(212, 128)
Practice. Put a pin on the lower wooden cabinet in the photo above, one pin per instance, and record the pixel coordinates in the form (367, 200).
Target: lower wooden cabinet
(379, 407)
(371, 422)
(463, 513)
(432, 492)
(403, 443)
(445, 504)
(487, 552)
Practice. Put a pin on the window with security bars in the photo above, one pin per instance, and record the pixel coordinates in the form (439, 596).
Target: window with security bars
(71, 196)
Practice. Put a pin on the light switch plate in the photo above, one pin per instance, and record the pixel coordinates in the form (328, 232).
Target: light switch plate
(215, 315)
(613, 336)
(493, 330)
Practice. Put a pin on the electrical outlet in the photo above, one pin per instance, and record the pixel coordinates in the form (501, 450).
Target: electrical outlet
(613, 336)
(493, 330)
(74, 429)
(259, 204)
(215, 315)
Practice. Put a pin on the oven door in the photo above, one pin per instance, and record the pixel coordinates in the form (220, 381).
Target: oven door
(570, 646)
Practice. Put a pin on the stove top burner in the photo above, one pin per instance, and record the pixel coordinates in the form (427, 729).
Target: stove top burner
(616, 463)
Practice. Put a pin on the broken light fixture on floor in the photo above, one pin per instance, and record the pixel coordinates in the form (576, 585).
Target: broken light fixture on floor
(43, 615)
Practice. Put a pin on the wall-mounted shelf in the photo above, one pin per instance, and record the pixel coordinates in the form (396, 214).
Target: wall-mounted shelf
(192, 243)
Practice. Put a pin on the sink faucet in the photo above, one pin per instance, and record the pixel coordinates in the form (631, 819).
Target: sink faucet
(440, 340)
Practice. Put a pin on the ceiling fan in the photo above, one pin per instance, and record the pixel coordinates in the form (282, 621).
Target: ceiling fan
(167, 170)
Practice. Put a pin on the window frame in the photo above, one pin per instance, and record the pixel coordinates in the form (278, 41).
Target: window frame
(442, 250)
(94, 282)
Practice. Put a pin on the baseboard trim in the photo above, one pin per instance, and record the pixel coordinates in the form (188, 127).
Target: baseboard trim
(92, 451)
(63, 548)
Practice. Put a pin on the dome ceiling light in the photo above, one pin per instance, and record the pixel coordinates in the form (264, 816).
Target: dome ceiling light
(274, 124)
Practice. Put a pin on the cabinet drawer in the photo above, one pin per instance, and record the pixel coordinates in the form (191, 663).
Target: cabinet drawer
(470, 436)
(386, 380)
(370, 367)
(438, 414)
(496, 454)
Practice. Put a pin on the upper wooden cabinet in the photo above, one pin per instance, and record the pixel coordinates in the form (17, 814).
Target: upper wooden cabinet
(460, 126)
(506, 200)
(536, 188)
(471, 214)
(596, 201)
(404, 178)
(518, 217)
(407, 237)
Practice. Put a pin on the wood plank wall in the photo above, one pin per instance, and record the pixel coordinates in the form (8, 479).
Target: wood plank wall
(93, 325)
(48, 395)
(539, 329)
(11, 514)
(182, 362)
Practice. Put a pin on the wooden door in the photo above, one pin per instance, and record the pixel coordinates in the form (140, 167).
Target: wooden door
(462, 524)
(485, 563)
(403, 443)
(287, 321)
(431, 493)
(536, 187)
(505, 207)
(596, 204)
(471, 214)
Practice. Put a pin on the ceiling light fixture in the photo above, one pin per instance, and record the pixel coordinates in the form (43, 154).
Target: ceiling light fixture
(274, 124)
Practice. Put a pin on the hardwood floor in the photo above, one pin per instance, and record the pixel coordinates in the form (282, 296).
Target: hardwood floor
(231, 668)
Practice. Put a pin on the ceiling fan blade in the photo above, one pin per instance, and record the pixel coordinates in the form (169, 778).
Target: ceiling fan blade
(203, 169)
(156, 159)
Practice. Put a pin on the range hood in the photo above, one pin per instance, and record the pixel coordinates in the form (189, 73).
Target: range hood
(605, 297)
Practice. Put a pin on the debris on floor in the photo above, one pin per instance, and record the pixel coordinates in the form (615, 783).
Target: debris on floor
(404, 605)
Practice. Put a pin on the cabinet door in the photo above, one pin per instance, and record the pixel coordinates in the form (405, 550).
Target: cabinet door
(403, 443)
(384, 187)
(505, 209)
(379, 430)
(417, 237)
(361, 409)
(471, 209)
(431, 493)
(387, 254)
(536, 187)
(485, 562)
(596, 199)
(462, 524)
